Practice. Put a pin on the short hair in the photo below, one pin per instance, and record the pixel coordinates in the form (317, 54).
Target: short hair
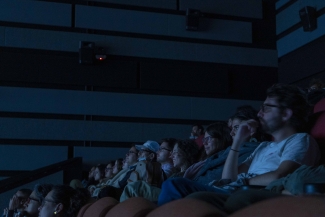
(221, 131)
(294, 98)
(170, 141)
(189, 149)
(72, 199)
(247, 112)
(26, 192)
(200, 127)
(41, 190)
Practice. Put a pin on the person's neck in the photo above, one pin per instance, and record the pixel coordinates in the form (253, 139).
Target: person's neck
(283, 133)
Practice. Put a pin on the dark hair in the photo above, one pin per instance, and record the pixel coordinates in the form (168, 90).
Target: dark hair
(292, 97)
(101, 168)
(170, 141)
(26, 192)
(199, 127)
(189, 149)
(120, 163)
(72, 199)
(41, 190)
(221, 131)
(250, 113)
(112, 163)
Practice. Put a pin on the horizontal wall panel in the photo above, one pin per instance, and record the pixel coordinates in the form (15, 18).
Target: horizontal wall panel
(303, 63)
(70, 130)
(61, 69)
(162, 4)
(183, 77)
(24, 157)
(290, 16)
(137, 47)
(280, 3)
(160, 24)
(35, 100)
(35, 12)
(92, 156)
(239, 8)
(299, 38)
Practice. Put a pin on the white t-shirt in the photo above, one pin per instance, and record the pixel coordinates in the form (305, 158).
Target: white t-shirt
(300, 148)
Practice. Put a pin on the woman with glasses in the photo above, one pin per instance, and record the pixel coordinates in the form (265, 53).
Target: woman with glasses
(35, 200)
(63, 201)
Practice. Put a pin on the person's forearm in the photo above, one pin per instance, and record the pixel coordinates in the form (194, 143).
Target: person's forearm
(264, 179)
(230, 170)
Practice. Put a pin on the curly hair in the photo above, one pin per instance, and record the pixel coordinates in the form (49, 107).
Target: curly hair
(292, 97)
(189, 149)
(72, 199)
(41, 190)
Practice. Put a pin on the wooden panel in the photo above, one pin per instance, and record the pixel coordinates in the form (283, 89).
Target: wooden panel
(160, 24)
(36, 12)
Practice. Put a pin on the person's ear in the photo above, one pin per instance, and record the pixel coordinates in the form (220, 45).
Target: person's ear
(287, 114)
(58, 208)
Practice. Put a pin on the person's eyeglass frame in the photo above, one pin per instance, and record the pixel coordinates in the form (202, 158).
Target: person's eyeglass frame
(263, 106)
(49, 201)
(33, 199)
(166, 149)
(207, 139)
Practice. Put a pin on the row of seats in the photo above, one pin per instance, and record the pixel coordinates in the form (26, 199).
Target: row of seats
(303, 206)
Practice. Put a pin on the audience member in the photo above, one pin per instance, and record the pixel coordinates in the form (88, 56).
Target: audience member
(184, 154)
(90, 180)
(63, 201)
(163, 156)
(197, 134)
(36, 199)
(148, 151)
(283, 115)
(116, 185)
(16, 203)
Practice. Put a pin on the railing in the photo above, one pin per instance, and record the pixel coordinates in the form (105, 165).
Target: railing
(72, 169)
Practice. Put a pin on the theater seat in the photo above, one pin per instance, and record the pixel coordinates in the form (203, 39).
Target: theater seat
(132, 207)
(187, 207)
(83, 209)
(307, 206)
(100, 207)
(319, 106)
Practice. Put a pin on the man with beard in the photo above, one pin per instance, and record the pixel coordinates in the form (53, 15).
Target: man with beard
(282, 115)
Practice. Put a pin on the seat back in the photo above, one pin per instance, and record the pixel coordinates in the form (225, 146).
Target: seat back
(319, 106)
(100, 207)
(187, 207)
(83, 210)
(132, 207)
(306, 206)
(317, 131)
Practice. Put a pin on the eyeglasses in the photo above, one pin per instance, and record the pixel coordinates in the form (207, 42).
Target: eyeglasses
(33, 199)
(235, 128)
(266, 107)
(48, 201)
(131, 152)
(207, 139)
(160, 149)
